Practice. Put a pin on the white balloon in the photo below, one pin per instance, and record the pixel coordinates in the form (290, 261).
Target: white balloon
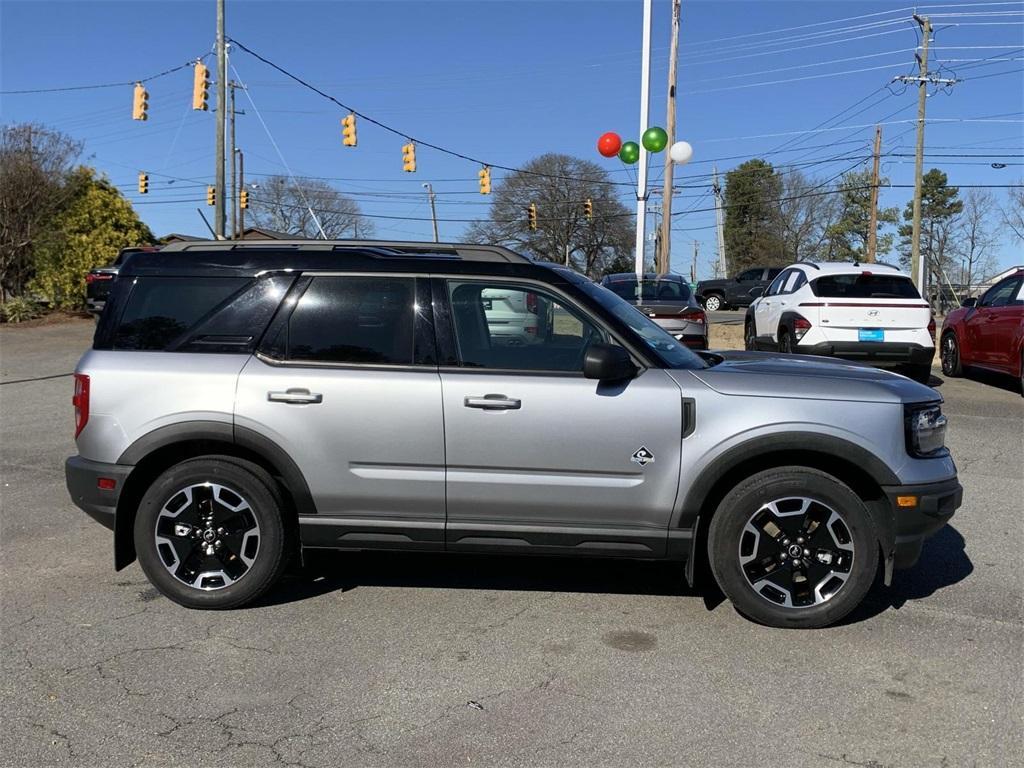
(681, 152)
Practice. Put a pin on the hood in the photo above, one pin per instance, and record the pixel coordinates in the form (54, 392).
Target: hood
(763, 374)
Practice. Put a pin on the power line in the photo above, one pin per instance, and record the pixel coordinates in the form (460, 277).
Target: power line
(189, 63)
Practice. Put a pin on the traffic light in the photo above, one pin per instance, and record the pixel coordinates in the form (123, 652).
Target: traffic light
(140, 103)
(531, 214)
(200, 86)
(243, 199)
(211, 195)
(588, 209)
(485, 180)
(348, 130)
(143, 183)
(409, 157)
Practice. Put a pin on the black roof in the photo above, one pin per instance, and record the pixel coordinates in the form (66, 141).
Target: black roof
(671, 277)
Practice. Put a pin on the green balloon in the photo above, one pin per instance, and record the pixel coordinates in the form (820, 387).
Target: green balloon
(629, 153)
(654, 139)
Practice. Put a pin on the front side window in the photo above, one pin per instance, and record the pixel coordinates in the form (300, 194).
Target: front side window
(1001, 294)
(367, 320)
(518, 327)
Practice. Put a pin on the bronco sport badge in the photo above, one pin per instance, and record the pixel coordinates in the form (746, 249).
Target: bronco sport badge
(642, 456)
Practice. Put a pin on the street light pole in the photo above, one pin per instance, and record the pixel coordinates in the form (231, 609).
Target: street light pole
(222, 76)
(433, 210)
(641, 182)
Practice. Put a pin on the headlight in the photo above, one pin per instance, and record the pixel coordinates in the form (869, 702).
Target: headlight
(926, 430)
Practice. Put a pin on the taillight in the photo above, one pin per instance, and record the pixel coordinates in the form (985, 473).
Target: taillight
(81, 402)
(694, 315)
(931, 327)
(531, 303)
(96, 278)
(801, 326)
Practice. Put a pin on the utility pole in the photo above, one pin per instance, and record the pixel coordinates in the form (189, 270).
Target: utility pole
(234, 178)
(222, 77)
(241, 186)
(664, 253)
(693, 269)
(645, 105)
(433, 210)
(873, 226)
(723, 268)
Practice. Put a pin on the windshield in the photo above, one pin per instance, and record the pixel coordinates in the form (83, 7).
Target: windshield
(864, 286)
(653, 290)
(671, 352)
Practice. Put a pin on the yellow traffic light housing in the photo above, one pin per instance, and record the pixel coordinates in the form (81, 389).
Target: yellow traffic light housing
(140, 103)
(485, 180)
(409, 157)
(200, 86)
(211, 195)
(243, 199)
(588, 209)
(532, 215)
(348, 130)
(143, 183)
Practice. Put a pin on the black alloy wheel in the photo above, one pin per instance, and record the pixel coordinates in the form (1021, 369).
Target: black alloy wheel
(950, 355)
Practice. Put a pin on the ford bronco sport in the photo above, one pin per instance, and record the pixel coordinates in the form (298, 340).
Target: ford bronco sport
(243, 402)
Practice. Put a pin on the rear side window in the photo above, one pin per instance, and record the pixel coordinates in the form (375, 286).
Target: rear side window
(864, 286)
(367, 320)
(161, 309)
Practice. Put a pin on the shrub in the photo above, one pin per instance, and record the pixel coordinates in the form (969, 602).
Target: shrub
(19, 310)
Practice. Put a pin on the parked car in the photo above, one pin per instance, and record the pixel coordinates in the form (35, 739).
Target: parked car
(99, 280)
(513, 317)
(739, 291)
(243, 402)
(987, 332)
(866, 312)
(668, 301)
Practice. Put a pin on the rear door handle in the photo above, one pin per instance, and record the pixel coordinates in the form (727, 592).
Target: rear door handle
(493, 403)
(295, 397)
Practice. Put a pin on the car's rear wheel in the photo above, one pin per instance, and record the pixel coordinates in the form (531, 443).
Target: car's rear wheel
(713, 303)
(785, 342)
(209, 533)
(793, 547)
(749, 342)
(950, 355)
(920, 373)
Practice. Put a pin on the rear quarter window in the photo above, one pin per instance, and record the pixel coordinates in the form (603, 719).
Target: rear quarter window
(864, 286)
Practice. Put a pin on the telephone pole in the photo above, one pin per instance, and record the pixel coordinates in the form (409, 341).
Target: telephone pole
(716, 188)
(241, 186)
(693, 269)
(664, 252)
(222, 77)
(873, 226)
(234, 178)
(433, 210)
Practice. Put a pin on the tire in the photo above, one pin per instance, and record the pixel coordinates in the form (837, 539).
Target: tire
(920, 373)
(192, 559)
(949, 352)
(754, 568)
(785, 342)
(713, 303)
(749, 337)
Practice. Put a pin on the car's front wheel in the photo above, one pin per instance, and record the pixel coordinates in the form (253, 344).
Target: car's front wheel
(209, 533)
(793, 547)
(749, 341)
(713, 303)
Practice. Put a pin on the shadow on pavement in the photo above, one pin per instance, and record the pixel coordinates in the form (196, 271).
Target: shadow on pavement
(990, 378)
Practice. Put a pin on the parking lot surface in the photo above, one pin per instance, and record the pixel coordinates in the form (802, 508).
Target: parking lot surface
(393, 660)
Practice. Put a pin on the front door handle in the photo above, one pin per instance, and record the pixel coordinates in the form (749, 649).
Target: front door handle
(295, 397)
(493, 403)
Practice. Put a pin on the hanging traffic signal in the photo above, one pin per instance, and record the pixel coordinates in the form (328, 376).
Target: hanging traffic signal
(485, 180)
(588, 209)
(409, 157)
(140, 103)
(532, 215)
(243, 199)
(348, 130)
(143, 183)
(211, 195)
(200, 86)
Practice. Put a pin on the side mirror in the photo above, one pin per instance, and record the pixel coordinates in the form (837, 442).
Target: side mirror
(971, 302)
(608, 362)
(756, 292)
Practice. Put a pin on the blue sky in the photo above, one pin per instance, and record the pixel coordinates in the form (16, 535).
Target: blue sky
(506, 81)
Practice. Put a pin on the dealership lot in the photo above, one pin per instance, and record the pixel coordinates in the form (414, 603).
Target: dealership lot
(378, 659)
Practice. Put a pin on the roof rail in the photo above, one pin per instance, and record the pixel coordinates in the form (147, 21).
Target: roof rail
(378, 248)
(810, 264)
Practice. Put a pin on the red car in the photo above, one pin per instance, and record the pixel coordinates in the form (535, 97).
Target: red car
(987, 332)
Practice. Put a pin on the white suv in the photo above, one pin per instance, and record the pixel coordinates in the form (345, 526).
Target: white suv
(864, 312)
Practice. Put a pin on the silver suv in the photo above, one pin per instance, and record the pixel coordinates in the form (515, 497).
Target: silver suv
(244, 402)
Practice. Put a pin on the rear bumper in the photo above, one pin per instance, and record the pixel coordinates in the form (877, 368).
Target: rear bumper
(82, 478)
(879, 352)
(936, 504)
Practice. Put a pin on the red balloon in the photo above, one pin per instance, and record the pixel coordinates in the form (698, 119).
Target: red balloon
(609, 144)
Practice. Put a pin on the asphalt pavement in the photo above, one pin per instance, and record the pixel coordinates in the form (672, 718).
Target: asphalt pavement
(412, 660)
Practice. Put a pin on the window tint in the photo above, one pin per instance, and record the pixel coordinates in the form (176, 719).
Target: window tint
(774, 272)
(653, 290)
(864, 286)
(351, 320)
(749, 275)
(794, 280)
(516, 327)
(160, 309)
(776, 285)
(1001, 294)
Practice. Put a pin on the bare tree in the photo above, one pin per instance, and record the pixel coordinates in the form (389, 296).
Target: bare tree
(975, 237)
(35, 184)
(288, 205)
(1013, 211)
(805, 217)
(559, 185)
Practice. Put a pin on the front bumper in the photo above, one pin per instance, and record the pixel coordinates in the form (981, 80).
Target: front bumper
(879, 352)
(83, 477)
(936, 503)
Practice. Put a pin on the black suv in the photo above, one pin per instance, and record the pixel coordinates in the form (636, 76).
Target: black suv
(739, 291)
